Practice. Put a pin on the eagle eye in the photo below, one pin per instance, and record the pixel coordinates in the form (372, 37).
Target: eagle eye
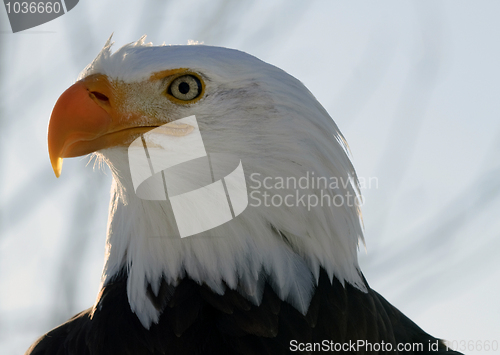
(185, 88)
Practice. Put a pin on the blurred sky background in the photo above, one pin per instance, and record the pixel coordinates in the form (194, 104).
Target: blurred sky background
(413, 85)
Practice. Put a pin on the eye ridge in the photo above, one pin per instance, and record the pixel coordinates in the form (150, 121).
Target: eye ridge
(185, 88)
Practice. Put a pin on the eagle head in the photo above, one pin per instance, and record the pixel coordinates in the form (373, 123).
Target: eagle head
(298, 205)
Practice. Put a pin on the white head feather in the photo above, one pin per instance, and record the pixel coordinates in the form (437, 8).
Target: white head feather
(270, 121)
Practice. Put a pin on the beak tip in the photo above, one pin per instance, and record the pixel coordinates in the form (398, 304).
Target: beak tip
(57, 166)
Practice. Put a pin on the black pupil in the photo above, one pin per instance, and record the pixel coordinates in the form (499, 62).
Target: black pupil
(184, 88)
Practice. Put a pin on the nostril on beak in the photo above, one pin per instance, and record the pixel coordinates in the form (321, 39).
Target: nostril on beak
(100, 96)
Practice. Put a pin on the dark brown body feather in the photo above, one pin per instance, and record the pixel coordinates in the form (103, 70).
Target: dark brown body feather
(197, 321)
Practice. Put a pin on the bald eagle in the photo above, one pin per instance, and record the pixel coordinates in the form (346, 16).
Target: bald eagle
(234, 220)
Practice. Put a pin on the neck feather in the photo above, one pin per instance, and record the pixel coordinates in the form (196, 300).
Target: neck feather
(254, 248)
